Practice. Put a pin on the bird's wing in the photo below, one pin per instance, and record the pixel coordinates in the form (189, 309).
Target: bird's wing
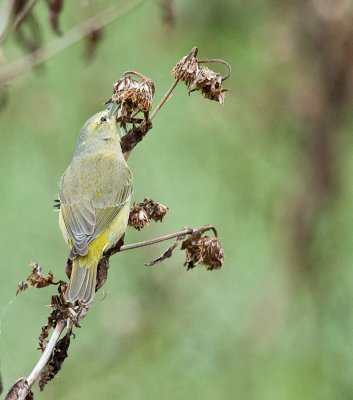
(85, 220)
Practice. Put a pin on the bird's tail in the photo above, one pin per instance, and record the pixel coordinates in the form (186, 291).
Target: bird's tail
(82, 285)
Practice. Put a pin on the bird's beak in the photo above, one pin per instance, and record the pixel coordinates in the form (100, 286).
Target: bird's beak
(112, 109)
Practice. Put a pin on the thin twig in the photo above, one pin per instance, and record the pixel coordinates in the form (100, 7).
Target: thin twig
(18, 20)
(218, 61)
(186, 231)
(73, 36)
(22, 15)
(42, 362)
(165, 98)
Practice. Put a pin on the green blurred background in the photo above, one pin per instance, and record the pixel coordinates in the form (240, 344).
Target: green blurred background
(271, 169)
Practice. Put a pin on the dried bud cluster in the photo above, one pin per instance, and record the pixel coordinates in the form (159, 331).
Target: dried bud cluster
(199, 77)
(203, 250)
(142, 213)
(133, 95)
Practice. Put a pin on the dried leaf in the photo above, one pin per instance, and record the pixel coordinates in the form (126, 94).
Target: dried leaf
(168, 12)
(56, 361)
(55, 8)
(167, 254)
(102, 272)
(36, 279)
(136, 134)
(44, 336)
(92, 41)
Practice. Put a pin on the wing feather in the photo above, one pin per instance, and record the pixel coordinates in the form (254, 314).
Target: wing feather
(85, 220)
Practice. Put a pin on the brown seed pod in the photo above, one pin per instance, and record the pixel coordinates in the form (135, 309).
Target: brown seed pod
(142, 213)
(203, 250)
(133, 95)
(155, 210)
(199, 77)
(187, 68)
(210, 84)
(138, 217)
(212, 255)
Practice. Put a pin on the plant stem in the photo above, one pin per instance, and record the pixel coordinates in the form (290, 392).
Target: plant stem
(165, 98)
(186, 231)
(73, 36)
(218, 61)
(20, 17)
(22, 386)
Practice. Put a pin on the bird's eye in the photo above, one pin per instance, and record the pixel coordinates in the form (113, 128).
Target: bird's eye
(103, 119)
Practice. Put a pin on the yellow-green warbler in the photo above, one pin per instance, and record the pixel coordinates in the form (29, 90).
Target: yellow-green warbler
(95, 193)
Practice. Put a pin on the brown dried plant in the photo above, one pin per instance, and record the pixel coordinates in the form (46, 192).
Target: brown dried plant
(198, 77)
(132, 95)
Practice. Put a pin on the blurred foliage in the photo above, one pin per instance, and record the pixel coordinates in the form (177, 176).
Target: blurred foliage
(261, 328)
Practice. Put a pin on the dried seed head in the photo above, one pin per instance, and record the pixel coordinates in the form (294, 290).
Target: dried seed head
(187, 69)
(199, 77)
(138, 217)
(210, 84)
(213, 255)
(193, 256)
(133, 95)
(155, 210)
(203, 250)
(142, 213)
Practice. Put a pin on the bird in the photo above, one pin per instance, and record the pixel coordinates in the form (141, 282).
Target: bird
(94, 202)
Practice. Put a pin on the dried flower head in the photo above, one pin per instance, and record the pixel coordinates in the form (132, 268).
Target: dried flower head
(213, 254)
(142, 213)
(138, 217)
(133, 95)
(187, 68)
(198, 77)
(155, 210)
(203, 250)
(210, 84)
